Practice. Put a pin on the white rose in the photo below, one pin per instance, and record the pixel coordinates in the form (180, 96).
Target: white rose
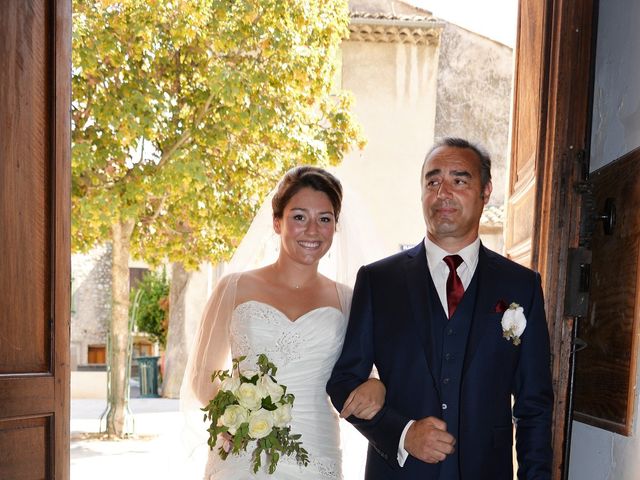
(282, 415)
(233, 417)
(513, 321)
(260, 423)
(249, 396)
(230, 384)
(271, 388)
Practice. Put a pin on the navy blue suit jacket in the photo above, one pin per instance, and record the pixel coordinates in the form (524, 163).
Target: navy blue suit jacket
(389, 327)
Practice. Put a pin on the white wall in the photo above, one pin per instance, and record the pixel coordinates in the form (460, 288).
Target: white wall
(394, 85)
(597, 454)
(616, 103)
(89, 385)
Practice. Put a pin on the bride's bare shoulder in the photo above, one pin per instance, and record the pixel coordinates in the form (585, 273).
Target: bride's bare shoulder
(251, 283)
(250, 277)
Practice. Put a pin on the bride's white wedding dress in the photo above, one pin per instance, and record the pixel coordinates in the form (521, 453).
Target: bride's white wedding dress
(304, 351)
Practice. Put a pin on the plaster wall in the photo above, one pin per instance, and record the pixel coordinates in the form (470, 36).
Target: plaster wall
(394, 85)
(598, 454)
(89, 385)
(616, 100)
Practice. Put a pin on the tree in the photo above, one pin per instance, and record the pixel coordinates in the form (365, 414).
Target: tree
(152, 312)
(184, 114)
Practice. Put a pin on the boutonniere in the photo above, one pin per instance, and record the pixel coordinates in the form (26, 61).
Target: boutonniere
(513, 320)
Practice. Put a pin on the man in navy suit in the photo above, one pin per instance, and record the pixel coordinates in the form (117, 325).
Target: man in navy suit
(458, 336)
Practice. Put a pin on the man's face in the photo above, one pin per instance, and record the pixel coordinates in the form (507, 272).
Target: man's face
(452, 196)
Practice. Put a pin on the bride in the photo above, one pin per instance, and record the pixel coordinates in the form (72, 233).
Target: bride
(296, 316)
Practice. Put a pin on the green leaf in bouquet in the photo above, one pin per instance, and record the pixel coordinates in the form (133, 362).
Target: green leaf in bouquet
(265, 366)
(276, 442)
(275, 456)
(268, 404)
(241, 438)
(256, 459)
(236, 362)
(253, 379)
(220, 374)
(217, 405)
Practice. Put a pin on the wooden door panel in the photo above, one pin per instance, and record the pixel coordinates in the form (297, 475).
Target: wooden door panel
(35, 56)
(23, 117)
(15, 437)
(26, 395)
(527, 116)
(605, 382)
(528, 120)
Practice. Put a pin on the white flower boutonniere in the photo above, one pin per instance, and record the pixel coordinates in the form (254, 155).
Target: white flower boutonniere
(513, 323)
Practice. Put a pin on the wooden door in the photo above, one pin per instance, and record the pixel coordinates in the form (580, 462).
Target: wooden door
(549, 135)
(35, 79)
(606, 370)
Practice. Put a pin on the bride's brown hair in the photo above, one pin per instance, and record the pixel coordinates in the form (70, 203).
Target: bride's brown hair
(307, 176)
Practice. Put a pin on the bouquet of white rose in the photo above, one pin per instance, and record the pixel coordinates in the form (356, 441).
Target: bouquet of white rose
(252, 407)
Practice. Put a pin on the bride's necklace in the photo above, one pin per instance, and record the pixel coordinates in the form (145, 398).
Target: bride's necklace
(294, 286)
(299, 286)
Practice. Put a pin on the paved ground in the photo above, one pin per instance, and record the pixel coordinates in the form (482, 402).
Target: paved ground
(153, 452)
(143, 456)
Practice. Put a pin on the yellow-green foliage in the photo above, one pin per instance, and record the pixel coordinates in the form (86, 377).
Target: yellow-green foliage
(185, 113)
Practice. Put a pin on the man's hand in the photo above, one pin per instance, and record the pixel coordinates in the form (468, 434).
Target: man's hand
(365, 401)
(428, 440)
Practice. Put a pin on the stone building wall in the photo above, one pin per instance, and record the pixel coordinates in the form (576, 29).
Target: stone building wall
(474, 96)
(91, 301)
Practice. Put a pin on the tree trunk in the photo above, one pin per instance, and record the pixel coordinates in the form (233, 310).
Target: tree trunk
(176, 354)
(119, 330)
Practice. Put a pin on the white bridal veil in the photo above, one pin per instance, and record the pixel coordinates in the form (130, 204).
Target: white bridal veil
(355, 244)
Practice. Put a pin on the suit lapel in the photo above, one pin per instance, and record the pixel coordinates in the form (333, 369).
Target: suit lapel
(484, 302)
(417, 273)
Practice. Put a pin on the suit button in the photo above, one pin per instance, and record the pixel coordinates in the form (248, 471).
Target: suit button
(444, 406)
(445, 381)
(450, 331)
(447, 356)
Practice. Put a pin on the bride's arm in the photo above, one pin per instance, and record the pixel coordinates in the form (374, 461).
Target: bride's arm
(366, 400)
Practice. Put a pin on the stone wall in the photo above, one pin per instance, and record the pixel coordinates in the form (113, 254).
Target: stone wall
(475, 77)
(91, 301)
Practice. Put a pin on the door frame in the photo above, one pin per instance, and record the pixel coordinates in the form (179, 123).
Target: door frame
(547, 166)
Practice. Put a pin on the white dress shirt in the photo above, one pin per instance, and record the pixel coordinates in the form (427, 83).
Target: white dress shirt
(439, 271)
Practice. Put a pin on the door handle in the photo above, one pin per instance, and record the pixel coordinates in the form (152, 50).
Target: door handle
(608, 216)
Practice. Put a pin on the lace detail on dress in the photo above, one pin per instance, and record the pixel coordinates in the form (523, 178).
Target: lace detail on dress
(288, 345)
(326, 468)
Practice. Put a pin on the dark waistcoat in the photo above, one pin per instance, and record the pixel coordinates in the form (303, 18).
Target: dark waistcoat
(448, 344)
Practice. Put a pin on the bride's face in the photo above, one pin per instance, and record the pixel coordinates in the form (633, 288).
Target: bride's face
(307, 226)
